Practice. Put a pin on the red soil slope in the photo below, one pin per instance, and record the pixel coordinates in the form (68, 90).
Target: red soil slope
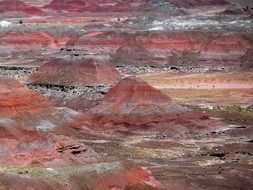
(132, 103)
(19, 7)
(86, 72)
(17, 101)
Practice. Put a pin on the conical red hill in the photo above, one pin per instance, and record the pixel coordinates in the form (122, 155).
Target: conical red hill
(84, 72)
(132, 102)
(134, 91)
(135, 101)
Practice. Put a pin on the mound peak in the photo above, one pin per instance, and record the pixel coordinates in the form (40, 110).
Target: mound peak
(73, 72)
(132, 54)
(134, 98)
(131, 103)
(132, 90)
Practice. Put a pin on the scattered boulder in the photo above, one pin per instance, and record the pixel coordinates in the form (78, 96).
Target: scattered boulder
(5, 24)
(29, 109)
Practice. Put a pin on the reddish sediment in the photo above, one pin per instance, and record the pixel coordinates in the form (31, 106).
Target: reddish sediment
(134, 105)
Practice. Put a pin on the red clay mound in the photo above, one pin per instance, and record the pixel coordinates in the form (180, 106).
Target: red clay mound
(84, 72)
(193, 3)
(19, 6)
(132, 54)
(132, 103)
(17, 101)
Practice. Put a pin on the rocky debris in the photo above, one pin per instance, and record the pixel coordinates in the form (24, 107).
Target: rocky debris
(76, 72)
(250, 108)
(182, 23)
(134, 105)
(18, 73)
(140, 70)
(78, 98)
